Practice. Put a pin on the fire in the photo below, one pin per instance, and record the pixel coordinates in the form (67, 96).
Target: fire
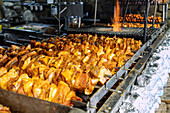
(116, 23)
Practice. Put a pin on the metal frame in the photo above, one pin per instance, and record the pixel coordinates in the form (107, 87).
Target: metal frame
(127, 3)
(145, 15)
(95, 13)
(163, 13)
(138, 34)
(123, 70)
(156, 4)
(59, 15)
(146, 19)
(92, 104)
(23, 104)
(166, 16)
(113, 102)
(120, 93)
(104, 89)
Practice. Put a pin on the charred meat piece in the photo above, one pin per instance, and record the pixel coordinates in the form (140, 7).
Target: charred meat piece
(8, 78)
(4, 109)
(54, 70)
(3, 70)
(4, 60)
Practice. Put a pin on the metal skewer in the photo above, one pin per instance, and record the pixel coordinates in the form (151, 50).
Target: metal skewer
(95, 13)
(156, 2)
(113, 90)
(119, 78)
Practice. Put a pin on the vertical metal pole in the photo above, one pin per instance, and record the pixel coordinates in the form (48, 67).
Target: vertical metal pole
(95, 13)
(59, 16)
(156, 3)
(166, 11)
(66, 22)
(126, 72)
(163, 12)
(146, 19)
(121, 9)
(1, 11)
(2, 15)
(79, 24)
(127, 3)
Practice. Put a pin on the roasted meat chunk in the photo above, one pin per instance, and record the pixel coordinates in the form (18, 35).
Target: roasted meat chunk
(57, 69)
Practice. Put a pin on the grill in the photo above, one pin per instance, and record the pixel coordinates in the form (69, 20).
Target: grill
(22, 37)
(137, 33)
(105, 98)
(114, 89)
(107, 31)
(90, 102)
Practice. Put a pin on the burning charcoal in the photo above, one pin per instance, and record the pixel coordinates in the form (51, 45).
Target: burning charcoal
(143, 80)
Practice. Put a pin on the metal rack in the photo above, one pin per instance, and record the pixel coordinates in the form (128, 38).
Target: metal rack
(22, 102)
(107, 87)
(137, 33)
(113, 102)
(147, 3)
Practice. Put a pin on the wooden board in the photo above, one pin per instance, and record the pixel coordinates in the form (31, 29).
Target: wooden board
(162, 108)
(166, 97)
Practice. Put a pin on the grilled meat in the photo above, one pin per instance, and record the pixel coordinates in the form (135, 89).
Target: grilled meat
(135, 20)
(4, 109)
(139, 18)
(55, 69)
(139, 25)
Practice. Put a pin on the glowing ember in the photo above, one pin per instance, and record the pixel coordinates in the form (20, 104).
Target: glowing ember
(116, 23)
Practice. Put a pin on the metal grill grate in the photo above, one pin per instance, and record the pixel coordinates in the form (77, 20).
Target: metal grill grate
(137, 33)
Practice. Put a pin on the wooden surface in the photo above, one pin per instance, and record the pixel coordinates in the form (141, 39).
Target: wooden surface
(166, 97)
(164, 107)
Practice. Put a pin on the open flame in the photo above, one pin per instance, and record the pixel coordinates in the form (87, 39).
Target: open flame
(116, 23)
